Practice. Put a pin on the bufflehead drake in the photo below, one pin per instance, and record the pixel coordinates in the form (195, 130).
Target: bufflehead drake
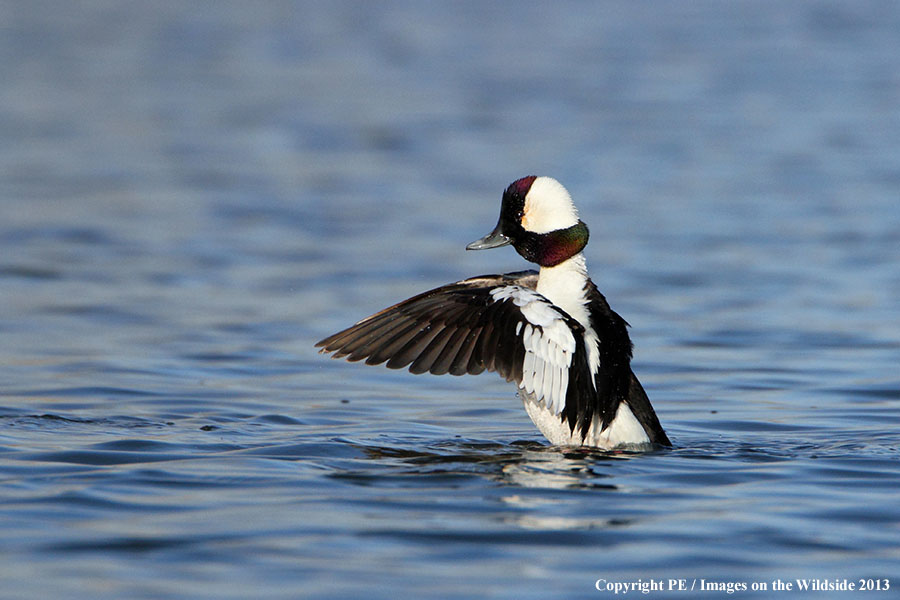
(551, 332)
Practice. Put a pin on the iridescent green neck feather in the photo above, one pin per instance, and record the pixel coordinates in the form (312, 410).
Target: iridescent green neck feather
(550, 249)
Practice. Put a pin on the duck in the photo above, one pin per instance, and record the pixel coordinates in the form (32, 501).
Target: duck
(550, 331)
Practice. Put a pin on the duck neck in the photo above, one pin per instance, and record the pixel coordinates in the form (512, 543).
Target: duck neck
(552, 248)
(564, 285)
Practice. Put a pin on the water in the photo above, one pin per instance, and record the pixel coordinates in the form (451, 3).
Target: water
(193, 194)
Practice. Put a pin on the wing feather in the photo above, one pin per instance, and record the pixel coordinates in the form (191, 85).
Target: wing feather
(385, 349)
(413, 348)
(495, 322)
(445, 359)
(460, 363)
(423, 362)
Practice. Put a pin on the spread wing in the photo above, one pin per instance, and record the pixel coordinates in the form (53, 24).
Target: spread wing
(493, 322)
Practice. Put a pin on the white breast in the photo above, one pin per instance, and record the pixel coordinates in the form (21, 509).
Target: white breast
(624, 431)
(564, 285)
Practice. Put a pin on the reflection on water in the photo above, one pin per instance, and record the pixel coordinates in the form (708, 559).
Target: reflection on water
(191, 198)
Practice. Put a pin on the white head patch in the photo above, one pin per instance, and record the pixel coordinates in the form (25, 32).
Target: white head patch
(548, 207)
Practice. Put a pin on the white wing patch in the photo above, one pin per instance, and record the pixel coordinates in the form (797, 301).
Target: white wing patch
(549, 346)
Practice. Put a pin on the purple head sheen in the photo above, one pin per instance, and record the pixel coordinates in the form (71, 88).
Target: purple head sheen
(520, 187)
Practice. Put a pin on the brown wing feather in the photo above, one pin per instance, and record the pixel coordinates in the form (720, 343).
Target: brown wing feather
(453, 329)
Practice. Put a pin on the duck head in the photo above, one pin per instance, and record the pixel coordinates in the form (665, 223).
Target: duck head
(538, 218)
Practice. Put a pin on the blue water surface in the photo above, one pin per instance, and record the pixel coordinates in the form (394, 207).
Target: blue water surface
(193, 194)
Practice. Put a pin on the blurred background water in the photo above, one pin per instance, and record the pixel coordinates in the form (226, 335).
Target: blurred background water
(193, 193)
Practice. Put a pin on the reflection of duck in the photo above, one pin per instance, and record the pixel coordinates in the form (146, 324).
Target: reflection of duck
(551, 332)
